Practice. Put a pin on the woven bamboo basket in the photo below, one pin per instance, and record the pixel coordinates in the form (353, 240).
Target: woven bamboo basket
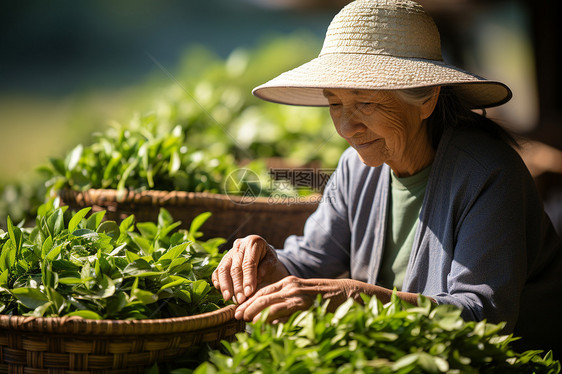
(232, 216)
(78, 346)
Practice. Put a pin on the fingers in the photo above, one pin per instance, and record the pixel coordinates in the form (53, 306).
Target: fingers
(282, 298)
(288, 295)
(259, 301)
(254, 257)
(280, 312)
(223, 279)
(236, 274)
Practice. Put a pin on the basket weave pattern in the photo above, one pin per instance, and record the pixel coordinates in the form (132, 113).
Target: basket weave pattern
(75, 345)
(232, 216)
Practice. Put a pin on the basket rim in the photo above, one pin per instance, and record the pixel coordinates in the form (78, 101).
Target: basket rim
(80, 326)
(95, 196)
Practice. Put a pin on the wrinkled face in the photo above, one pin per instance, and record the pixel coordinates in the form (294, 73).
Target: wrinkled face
(381, 127)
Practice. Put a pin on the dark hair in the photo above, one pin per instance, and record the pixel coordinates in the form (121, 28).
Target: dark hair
(451, 111)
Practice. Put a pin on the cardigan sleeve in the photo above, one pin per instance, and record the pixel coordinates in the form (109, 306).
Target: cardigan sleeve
(323, 250)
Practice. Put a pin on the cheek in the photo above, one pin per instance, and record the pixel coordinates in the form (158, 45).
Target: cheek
(394, 130)
(336, 122)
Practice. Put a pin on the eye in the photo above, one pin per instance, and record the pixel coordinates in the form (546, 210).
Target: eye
(367, 107)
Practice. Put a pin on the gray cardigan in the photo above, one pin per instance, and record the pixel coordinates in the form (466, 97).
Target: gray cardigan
(483, 241)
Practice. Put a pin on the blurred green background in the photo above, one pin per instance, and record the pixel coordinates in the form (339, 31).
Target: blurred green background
(70, 68)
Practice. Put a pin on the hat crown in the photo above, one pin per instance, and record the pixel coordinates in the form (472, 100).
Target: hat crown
(398, 28)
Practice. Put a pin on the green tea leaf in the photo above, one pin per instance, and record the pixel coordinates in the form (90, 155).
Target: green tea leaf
(200, 289)
(46, 247)
(174, 283)
(55, 222)
(116, 303)
(109, 228)
(42, 309)
(185, 296)
(74, 157)
(145, 297)
(85, 233)
(48, 277)
(126, 173)
(174, 252)
(140, 268)
(106, 288)
(4, 278)
(70, 280)
(95, 219)
(64, 265)
(175, 163)
(57, 300)
(197, 222)
(147, 229)
(86, 314)
(7, 255)
(30, 297)
(205, 368)
(77, 218)
(165, 231)
(145, 245)
(127, 224)
(15, 235)
(53, 253)
(131, 256)
(180, 265)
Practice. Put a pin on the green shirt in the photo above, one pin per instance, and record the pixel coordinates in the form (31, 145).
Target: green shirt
(406, 200)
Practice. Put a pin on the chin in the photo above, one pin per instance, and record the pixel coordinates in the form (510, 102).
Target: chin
(370, 161)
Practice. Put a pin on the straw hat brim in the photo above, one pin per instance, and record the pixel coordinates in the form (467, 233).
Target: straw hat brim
(304, 85)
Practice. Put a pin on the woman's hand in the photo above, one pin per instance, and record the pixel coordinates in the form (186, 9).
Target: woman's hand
(249, 265)
(292, 294)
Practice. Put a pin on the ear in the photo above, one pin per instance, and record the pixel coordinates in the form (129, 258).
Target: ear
(429, 105)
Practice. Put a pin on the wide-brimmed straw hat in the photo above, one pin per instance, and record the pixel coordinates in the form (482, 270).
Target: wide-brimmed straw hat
(380, 45)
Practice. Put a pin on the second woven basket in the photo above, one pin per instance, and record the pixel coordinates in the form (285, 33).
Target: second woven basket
(78, 346)
(232, 216)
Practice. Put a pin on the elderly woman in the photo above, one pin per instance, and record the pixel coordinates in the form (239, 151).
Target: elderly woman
(431, 198)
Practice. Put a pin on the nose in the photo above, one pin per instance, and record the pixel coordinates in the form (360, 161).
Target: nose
(347, 123)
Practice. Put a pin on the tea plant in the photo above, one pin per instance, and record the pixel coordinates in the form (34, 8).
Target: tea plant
(376, 338)
(74, 265)
(205, 125)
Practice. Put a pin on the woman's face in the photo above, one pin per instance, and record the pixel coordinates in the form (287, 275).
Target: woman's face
(381, 127)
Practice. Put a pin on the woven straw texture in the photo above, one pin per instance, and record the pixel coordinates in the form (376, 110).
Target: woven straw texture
(380, 45)
(232, 216)
(78, 346)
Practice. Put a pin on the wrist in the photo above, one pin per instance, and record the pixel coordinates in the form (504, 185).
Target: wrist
(351, 288)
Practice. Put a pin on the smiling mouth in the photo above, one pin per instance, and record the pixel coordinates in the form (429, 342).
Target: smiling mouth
(363, 145)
